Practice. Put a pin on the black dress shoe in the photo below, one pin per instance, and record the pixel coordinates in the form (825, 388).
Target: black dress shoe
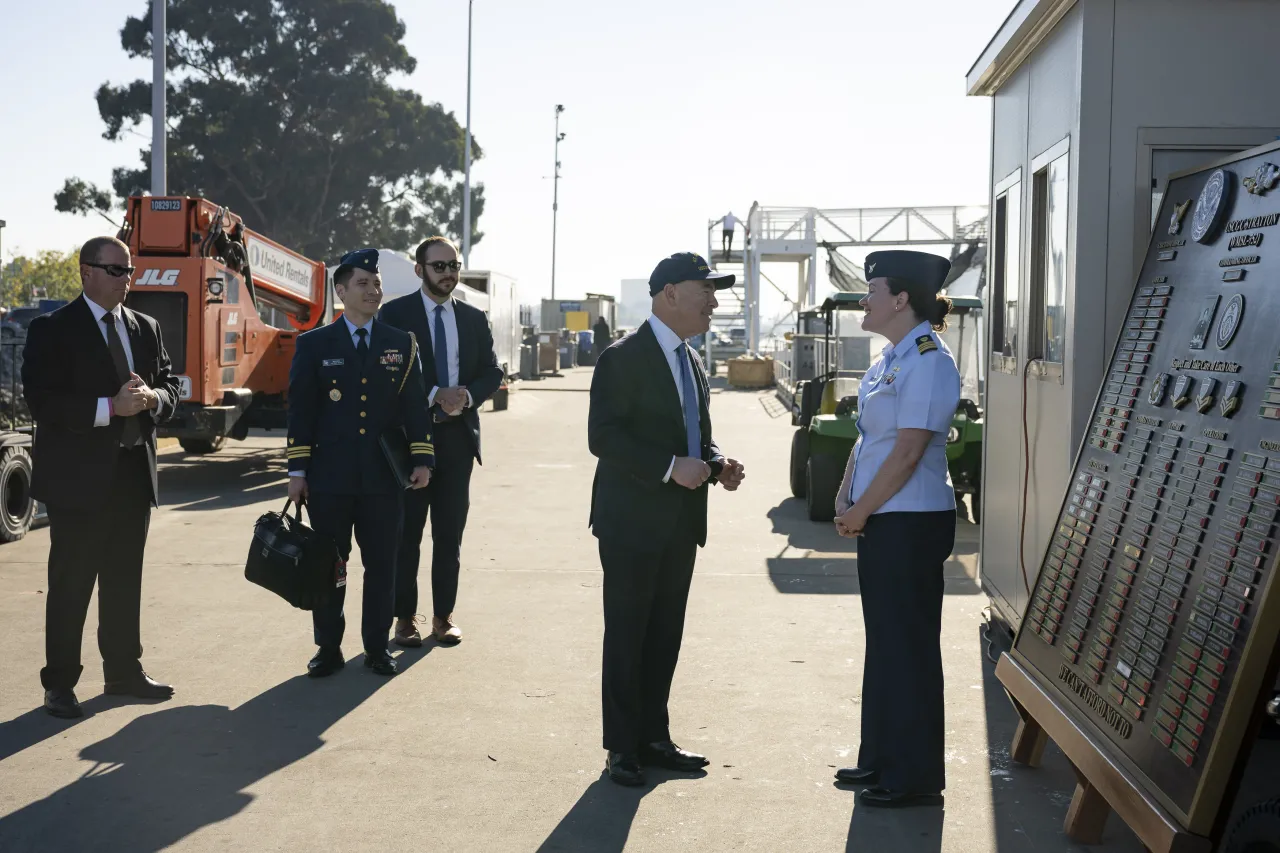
(624, 768)
(857, 776)
(382, 663)
(886, 799)
(666, 754)
(141, 685)
(326, 662)
(61, 702)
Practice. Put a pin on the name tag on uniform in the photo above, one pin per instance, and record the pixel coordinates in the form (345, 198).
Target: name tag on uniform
(333, 362)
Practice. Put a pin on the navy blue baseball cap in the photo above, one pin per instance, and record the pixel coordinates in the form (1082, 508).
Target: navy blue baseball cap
(686, 266)
(919, 268)
(361, 259)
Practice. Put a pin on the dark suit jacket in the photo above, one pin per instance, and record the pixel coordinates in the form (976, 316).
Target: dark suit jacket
(635, 426)
(66, 367)
(478, 366)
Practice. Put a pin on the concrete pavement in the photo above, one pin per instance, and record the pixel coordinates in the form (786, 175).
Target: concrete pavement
(495, 745)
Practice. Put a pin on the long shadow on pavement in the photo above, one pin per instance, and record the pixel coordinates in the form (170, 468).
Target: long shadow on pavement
(838, 575)
(600, 822)
(36, 725)
(169, 774)
(236, 476)
(915, 831)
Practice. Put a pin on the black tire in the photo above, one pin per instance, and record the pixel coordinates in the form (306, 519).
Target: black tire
(975, 501)
(962, 511)
(799, 458)
(17, 507)
(823, 476)
(1257, 830)
(201, 446)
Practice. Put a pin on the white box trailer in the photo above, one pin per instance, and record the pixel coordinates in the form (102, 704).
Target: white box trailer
(498, 296)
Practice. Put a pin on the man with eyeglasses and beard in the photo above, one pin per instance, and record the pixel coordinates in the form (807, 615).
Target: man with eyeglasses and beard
(461, 372)
(96, 377)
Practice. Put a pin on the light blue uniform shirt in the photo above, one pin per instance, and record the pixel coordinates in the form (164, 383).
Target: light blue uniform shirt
(908, 389)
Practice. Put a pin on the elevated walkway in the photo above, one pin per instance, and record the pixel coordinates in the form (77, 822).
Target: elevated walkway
(795, 235)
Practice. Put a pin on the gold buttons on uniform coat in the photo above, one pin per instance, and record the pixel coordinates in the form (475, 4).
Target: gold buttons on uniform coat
(363, 397)
(363, 381)
(362, 414)
(362, 430)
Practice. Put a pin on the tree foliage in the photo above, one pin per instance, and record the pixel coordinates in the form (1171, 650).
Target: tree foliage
(49, 275)
(282, 110)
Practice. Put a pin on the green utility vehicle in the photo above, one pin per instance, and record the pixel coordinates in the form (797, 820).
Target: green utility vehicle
(826, 413)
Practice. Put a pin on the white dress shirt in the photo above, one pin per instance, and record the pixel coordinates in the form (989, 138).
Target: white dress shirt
(670, 342)
(729, 221)
(103, 415)
(368, 332)
(450, 319)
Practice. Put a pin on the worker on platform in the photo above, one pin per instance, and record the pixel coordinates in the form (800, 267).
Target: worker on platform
(462, 373)
(353, 382)
(650, 428)
(726, 234)
(897, 499)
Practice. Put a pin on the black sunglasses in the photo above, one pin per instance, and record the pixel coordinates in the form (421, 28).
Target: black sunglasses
(114, 270)
(441, 266)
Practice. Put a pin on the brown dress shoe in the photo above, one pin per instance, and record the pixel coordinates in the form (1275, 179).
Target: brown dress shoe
(446, 633)
(407, 633)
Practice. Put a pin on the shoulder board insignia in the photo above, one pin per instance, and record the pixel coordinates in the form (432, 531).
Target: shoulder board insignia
(925, 343)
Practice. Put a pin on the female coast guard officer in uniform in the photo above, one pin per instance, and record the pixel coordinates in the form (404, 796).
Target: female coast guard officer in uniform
(897, 498)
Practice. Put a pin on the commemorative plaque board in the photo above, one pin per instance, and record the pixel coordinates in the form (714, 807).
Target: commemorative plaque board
(1154, 618)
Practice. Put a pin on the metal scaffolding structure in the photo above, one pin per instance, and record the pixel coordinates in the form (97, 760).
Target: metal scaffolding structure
(795, 234)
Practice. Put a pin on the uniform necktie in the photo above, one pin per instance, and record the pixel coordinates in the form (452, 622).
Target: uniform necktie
(692, 425)
(440, 347)
(362, 348)
(132, 431)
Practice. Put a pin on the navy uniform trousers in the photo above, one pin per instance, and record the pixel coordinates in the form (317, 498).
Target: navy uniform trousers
(375, 520)
(900, 576)
(447, 498)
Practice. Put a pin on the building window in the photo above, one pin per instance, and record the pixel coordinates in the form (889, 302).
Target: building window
(1005, 265)
(1047, 341)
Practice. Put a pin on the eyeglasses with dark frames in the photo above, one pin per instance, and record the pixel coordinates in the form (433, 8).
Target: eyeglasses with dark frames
(441, 266)
(114, 270)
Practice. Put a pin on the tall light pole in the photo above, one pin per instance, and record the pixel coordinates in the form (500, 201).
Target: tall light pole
(466, 181)
(555, 200)
(159, 180)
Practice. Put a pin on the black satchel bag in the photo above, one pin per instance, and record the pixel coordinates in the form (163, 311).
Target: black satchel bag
(395, 449)
(296, 563)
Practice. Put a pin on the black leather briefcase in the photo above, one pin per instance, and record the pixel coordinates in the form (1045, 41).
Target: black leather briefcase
(295, 562)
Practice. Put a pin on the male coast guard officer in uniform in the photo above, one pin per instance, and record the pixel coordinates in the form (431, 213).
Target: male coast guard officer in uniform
(350, 382)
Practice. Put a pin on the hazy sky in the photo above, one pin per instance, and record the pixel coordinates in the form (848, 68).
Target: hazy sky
(675, 112)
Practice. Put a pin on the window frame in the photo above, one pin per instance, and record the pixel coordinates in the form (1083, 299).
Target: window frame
(1000, 279)
(1036, 309)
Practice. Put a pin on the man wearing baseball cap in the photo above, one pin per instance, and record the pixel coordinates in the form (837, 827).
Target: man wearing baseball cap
(650, 429)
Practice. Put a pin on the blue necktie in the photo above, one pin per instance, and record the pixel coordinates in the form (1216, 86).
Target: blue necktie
(441, 348)
(692, 425)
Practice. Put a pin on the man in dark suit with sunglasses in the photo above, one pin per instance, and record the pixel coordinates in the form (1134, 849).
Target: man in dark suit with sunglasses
(461, 372)
(96, 377)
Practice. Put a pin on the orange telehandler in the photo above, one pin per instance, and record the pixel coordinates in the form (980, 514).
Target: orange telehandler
(230, 304)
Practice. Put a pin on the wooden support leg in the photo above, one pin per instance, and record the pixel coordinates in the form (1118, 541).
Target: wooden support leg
(1029, 740)
(1087, 815)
